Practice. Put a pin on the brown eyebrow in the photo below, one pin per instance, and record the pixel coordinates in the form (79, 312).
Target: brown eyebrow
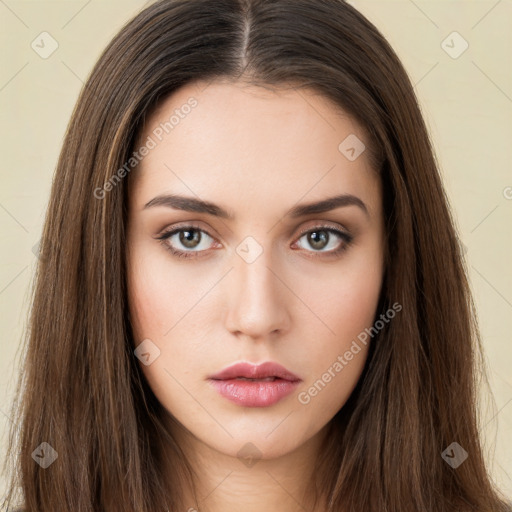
(191, 204)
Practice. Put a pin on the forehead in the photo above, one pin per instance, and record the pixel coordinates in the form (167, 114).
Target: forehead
(249, 143)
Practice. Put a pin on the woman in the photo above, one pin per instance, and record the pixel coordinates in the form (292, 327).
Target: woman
(251, 293)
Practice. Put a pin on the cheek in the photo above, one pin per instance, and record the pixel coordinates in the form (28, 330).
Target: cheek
(155, 295)
(162, 303)
(156, 311)
(347, 305)
(150, 308)
(346, 299)
(353, 303)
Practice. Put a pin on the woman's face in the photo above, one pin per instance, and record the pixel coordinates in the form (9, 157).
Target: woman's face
(259, 274)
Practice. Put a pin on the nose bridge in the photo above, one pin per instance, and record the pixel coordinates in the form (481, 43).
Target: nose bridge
(256, 305)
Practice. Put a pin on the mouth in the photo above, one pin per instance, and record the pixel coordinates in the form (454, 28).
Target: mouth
(251, 385)
(249, 371)
(266, 379)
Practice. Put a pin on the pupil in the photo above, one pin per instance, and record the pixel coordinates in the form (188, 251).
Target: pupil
(318, 239)
(190, 238)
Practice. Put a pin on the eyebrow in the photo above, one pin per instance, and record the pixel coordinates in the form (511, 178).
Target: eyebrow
(191, 204)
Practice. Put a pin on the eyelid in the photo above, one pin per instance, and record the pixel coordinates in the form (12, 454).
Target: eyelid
(324, 225)
(312, 226)
(341, 232)
(182, 226)
(167, 233)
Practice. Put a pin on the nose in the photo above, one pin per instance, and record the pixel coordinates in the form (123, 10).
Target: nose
(259, 300)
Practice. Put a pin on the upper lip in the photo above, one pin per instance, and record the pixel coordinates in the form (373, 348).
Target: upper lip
(251, 371)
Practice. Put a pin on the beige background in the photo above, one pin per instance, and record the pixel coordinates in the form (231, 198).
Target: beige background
(467, 102)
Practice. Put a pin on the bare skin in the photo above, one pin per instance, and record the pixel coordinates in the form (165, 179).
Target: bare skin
(257, 154)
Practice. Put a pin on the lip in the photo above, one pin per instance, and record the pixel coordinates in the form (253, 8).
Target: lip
(260, 392)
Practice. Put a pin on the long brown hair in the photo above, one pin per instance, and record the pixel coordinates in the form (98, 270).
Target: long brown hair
(81, 389)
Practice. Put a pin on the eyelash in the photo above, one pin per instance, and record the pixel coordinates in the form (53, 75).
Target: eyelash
(347, 240)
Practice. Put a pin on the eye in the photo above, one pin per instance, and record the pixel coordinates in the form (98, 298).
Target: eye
(326, 239)
(189, 241)
(189, 237)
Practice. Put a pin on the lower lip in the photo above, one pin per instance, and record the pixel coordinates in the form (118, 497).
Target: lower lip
(254, 393)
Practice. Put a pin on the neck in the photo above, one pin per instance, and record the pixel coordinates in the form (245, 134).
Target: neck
(249, 481)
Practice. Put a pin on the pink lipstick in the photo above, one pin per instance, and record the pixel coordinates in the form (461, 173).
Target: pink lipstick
(252, 385)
